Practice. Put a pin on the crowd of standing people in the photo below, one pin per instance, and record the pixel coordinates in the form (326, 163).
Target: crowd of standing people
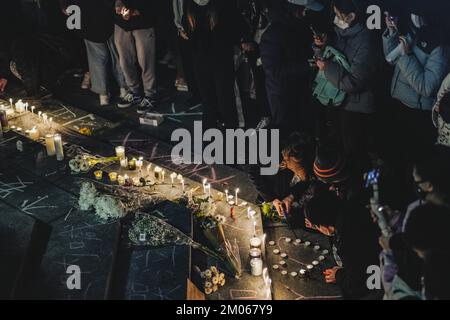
(347, 100)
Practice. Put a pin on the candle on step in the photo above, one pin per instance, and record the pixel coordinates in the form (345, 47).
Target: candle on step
(113, 176)
(11, 103)
(34, 134)
(173, 176)
(158, 173)
(32, 109)
(124, 163)
(226, 195)
(139, 163)
(50, 144)
(39, 115)
(163, 176)
(120, 152)
(182, 184)
(254, 228)
(236, 196)
(20, 107)
(59, 147)
(204, 185)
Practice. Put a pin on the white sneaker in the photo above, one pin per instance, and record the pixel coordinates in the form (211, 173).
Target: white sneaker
(123, 92)
(104, 100)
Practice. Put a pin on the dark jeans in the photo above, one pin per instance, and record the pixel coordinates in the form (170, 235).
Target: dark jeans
(185, 49)
(215, 78)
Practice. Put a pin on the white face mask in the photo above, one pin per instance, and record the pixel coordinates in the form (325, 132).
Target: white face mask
(201, 2)
(341, 24)
(417, 21)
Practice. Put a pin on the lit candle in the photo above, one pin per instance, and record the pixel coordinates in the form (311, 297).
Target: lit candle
(140, 163)
(209, 189)
(59, 147)
(268, 290)
(163, 175)
(11, 103)
(157, 173)
(34, 134)
(113, 176)
(248, 212)
(255, 242)
(136, 182)
(126, 177)
(120, 152)
(50, 144)
(182, 184)
(20, 107)
(179, 177)
(124, 163)
(50, 122)
(121, 180)
(265, 275)
(132, 164)
(236, 196)
(32, 109)
(204, 185)
(149, 168)
(226, 195)
(254, 228)
(26, 107)
(39, 115)
(173, 176)
(44, 117)
(98, 174)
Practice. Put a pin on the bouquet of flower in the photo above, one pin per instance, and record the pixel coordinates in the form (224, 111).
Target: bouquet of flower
(212, 278)
(85, 162)
(110, 202)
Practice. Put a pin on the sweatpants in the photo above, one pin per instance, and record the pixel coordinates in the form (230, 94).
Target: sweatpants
(104, 62)
(137, 47)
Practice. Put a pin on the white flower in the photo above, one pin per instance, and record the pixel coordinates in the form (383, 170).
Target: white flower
(88, 196)
(106, 207)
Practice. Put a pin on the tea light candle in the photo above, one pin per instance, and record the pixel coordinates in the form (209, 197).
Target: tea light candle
(132, 164)
(307, 244)
(173, 176)
(276, 251)
(284, 272)
(284, 255)
(275, 267)
(34, 134)
(98, 175)
(121, 180)
(316, 248)
(236, 195)
(282, 263)
(315, 263)
(120, 152)
(325, 252)
(321, 258)
(298, 241)
(288, 240)
(271, 243)
(59, 147)
(309, 267)
(255, 242)
(50, 144)
(293, 274)
(113, 176)
(124, 163)
(302, 272)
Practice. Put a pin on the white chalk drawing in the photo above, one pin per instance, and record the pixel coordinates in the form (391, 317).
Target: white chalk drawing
(9, 188)
(29, 208)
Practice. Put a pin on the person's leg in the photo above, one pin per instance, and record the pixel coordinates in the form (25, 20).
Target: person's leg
(224, 81)
(98, 58)
(125, 44)
(188, 70)
(115, 64)
(146, 51)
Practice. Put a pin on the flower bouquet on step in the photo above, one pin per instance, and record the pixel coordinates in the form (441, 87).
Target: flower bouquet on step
(111, 202)
(85, 162)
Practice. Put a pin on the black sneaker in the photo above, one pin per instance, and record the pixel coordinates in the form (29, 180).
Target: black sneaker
(146, 105)
(129, 100)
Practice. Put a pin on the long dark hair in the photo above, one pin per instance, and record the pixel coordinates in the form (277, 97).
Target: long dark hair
(212, 15)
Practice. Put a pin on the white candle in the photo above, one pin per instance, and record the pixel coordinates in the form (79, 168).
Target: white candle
(59, 147)
(50, 145)
(32, 109)
(158, 172)
(44, 118)
(173, 176)
(248, 212)
(34, 134)
(149, 168)
(254, 228)
(256, 266)
(265, 275)
(236, 196)
(120, 152)
(204, 185)
(140, 163)
(124, 163)
(226, 195)
(11, 103)
(26, 107)
(255, 242)
(163, 175)
(39, 115)
(268, 290)
(50, 122)
(209, 189)
(20, 107)
(264, 242)
(182, 184)
(179, 177)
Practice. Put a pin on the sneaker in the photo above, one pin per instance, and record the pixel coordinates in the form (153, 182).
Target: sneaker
(86, 83)
(123, 93)
(130, 99)
(146, 105)
(263, 123)
(104, 100)
(159, 95)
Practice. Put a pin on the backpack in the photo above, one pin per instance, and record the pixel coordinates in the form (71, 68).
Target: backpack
(324, 91)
